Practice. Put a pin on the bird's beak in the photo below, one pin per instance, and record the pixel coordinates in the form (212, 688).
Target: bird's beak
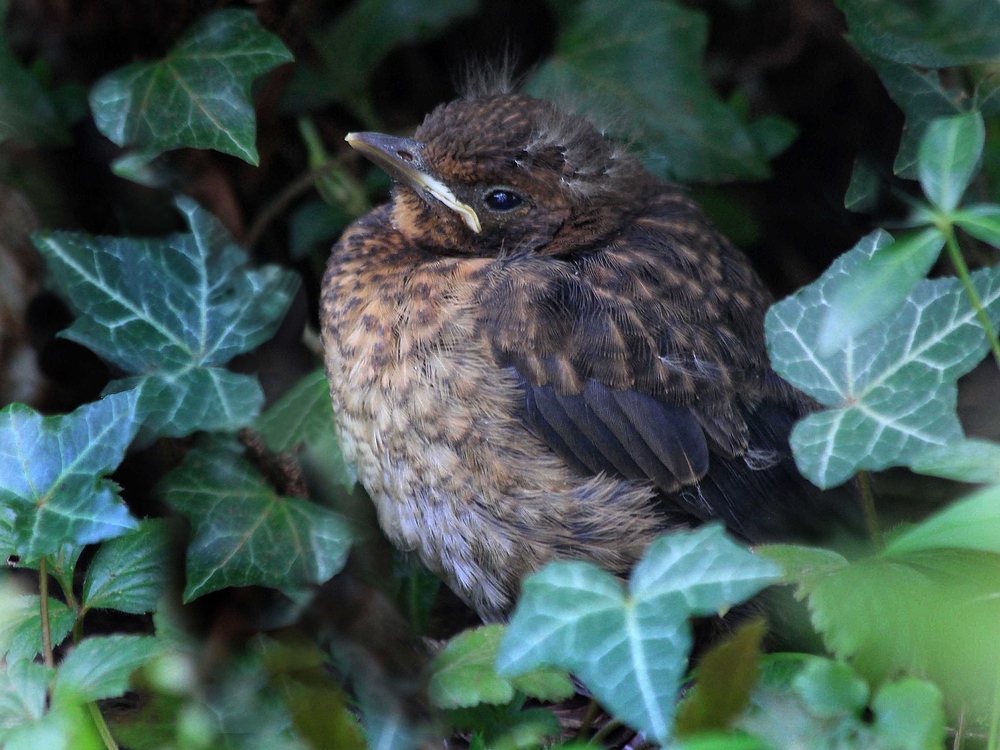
(403, 159)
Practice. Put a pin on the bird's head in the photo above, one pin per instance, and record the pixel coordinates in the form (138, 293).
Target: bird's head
(506, 174)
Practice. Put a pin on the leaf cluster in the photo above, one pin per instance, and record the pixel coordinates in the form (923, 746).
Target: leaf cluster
(910, 627)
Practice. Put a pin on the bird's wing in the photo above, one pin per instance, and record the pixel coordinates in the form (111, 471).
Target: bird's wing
(645, 358)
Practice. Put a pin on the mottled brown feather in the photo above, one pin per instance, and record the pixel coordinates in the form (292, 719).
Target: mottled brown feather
(584, 373)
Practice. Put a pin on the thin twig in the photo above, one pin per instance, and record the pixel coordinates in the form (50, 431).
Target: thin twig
(959, 731)
(604, 732)
(588, 720)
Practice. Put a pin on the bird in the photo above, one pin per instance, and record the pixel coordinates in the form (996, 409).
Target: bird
(537, 350)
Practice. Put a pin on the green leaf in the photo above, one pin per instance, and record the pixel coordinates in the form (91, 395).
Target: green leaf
(892, 388)
(23, 694)
(129, 573)
(464, 674)
(970, 523)
(51, 490)
(921, 97)
(630, 649)
(27, 112)
(173, 310)
(908, 714)
(804, 701)
(725, 677)
(198, 95)
(931, 613)
(801, 564)
(244, 533)
(877, 286)
(981, 221)
(642, 60)
(99, 667)
(303, 415)
(948, 156)
(964, 461)
(829, 689)
(21, 624)
(931, 34)
(357, 41)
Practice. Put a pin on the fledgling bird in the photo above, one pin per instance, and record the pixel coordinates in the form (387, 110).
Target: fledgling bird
(539, 351)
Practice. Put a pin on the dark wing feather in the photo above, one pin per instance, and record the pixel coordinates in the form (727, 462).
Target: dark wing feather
(645, 358)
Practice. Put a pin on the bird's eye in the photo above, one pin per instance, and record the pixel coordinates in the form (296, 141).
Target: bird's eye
(502, 199)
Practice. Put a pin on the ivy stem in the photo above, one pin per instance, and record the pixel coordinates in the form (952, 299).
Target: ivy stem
(955, 253)
(588, 719)
(871, 516)
(43, 596)
(604, 732)
(102, 726)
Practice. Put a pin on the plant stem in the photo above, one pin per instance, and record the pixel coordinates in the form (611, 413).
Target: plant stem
(955, 253)
(43, 596)
(102, 726)
(604, 732)
(871, 515)
(588, 720)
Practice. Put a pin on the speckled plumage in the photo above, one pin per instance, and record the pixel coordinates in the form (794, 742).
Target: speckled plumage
(583, 373)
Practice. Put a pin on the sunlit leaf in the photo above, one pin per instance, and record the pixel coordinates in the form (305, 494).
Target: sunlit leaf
(52, 489)
(630, 649)
(198, 95)
(891, 390)
(877, 286)
(464, 674)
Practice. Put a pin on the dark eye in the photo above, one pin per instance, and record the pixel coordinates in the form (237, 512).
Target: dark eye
(502, 199)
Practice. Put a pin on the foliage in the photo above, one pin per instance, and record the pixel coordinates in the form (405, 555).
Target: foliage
(245, 499)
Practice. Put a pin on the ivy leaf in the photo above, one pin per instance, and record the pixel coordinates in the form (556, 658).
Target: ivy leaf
(357, 41)
(51, 468)
(130, 572)
(892, 388)
(303, 415)
(630, 649)
(643, 59)
(921, 97)
(948, 156)
(964, 461)
(464, 674)
(863, 191)
(27, 112)
(244, 532)
(981, 221)
(99, 667)
(878, 286)
(198, 95)
(931, 34)
(173, 310)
